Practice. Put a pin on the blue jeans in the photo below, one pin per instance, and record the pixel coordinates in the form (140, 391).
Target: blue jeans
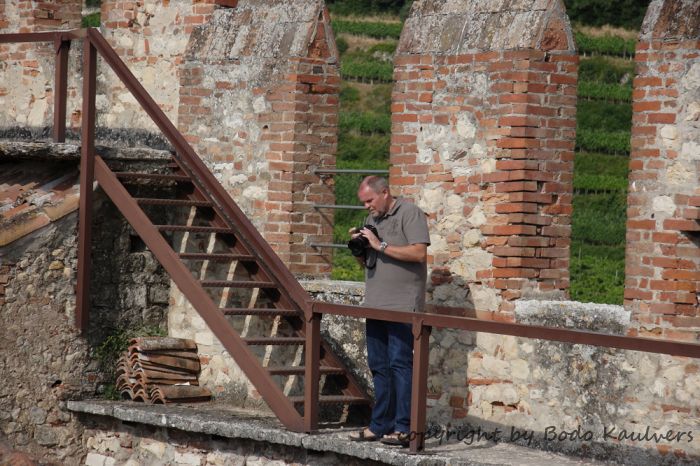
(390, 359)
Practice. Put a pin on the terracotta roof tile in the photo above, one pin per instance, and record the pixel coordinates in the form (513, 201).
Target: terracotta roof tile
(34, 194)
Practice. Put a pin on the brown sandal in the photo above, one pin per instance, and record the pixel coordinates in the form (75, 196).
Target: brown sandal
(397, 438)
(362, 436)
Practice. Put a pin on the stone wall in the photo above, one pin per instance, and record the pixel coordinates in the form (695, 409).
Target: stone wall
(109, 442)
(44, 360)
(265, 76)
(548, 388)
(259, 100)
(482, 139)
(27, 70)
(663, 228)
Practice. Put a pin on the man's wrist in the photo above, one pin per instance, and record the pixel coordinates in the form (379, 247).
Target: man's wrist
(383, 246)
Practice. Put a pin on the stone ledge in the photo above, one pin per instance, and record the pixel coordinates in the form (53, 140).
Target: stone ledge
(223, 421)
(11, 150)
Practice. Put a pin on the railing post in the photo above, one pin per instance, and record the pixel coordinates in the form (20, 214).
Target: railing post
(421, 350)
(62, 47)
(312, 356)
(87, 176)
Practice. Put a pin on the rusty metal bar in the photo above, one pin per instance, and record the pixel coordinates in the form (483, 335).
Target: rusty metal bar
(60, 90)
(87, 169)
(340, 171)
(49, 36)
(201, 174)
(312, 355)
(650, 345)
(419, 390)
(189, 286)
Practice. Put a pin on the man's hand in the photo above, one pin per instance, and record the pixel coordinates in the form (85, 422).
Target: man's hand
(354, 232)
(372, 238)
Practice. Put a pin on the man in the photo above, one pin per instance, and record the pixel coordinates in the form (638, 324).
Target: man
(396, 281)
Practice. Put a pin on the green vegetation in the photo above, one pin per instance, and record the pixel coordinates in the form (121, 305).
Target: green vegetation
(604, 116)
(597, 173)
(604, 45)
(368, 7)
(109, 351)
(593, 90)
(364, 67)
(607, 142)
(606, 70)
(623, 13)
(377, 30)
(365, 123)
(597, 273)
(91, 21)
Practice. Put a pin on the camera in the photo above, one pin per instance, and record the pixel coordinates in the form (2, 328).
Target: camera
(358, 246)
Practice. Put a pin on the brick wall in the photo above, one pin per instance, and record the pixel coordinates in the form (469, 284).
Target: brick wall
(151, 37)
(260, 106)
(26, 77)
(483, 139)
(663, 231)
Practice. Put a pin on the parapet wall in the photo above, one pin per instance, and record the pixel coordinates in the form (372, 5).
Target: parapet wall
(482, 140)
(662, 287)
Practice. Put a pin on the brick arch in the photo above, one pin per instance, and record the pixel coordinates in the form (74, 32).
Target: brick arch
(483, 140)
(663, 227)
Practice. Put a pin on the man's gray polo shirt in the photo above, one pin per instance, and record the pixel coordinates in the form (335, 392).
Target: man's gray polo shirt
(394, 284)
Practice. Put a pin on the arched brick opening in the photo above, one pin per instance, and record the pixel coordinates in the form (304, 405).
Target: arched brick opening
(483, 139)
(663, 228)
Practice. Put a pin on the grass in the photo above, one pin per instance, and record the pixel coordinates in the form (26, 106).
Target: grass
(597, 273)
(90, 21)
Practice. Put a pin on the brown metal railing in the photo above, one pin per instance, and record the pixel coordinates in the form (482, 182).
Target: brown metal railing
(422, 322)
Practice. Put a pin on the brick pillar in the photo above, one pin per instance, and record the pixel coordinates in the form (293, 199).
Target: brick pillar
(483, 140)
(314, 144)
(261, 109)
(663, 227)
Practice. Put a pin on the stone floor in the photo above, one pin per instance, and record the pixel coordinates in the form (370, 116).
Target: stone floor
(221, 421)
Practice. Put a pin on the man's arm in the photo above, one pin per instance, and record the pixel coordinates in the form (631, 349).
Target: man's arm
(409, 253)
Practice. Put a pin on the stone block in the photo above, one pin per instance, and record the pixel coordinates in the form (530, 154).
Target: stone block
(153, 447)
(37, 415)
(95, 459)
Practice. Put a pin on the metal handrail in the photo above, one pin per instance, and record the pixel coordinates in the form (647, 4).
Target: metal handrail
(338, 206)
(422, 324)
(331, 171)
